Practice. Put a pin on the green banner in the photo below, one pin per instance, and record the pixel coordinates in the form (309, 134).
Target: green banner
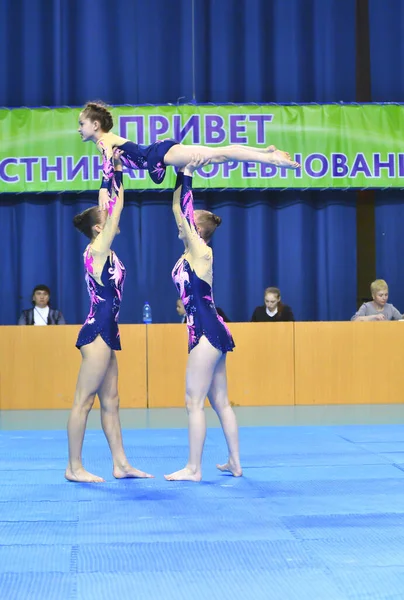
(338, 146)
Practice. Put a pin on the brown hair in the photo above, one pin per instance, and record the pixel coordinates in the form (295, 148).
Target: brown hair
(273, 290)
(277, 292)
(86, 220)
(98, 111)
(207, 222)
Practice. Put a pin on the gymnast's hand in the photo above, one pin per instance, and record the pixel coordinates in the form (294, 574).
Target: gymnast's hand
(197, 162)
(117, 159)
(103, 199)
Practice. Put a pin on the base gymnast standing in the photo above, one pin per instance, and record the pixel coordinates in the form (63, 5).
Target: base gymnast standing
(209, 339)
(99, 337)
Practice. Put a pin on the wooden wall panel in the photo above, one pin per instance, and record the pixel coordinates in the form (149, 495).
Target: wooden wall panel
(272, 364)
(39, 367)
(349, 363)
(167, 352)
(260, 369)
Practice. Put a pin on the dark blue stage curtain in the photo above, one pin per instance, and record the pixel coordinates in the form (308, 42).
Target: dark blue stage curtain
(387, 56)
(294, 241)
(276, 51)
(386, 23)
(303, 243)
(57, 52)
(389, 216)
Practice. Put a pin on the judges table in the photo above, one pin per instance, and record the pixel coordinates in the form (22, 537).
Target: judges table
(272, 364)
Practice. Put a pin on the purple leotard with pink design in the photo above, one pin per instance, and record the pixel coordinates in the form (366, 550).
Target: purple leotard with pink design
(195, 293)
(105, 302)
(138, 156)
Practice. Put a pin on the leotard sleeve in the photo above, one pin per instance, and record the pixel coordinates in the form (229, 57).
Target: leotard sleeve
(186, 198)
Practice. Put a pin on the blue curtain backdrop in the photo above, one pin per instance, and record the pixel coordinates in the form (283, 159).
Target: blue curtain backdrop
(387, 58)
(386, 26)
(291, 240)
(55, 52)
(389, 219)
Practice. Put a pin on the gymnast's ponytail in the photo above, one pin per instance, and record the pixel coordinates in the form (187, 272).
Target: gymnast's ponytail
(86, 220)
(207, 222)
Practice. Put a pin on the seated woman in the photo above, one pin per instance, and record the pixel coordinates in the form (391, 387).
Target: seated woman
(378, 309)
(273, 309)
(41, 313)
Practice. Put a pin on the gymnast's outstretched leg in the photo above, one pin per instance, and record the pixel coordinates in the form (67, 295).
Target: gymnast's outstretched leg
(180, 155)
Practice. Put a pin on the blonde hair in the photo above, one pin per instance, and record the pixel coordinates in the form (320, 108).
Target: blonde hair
(377, 286)
(207, 222)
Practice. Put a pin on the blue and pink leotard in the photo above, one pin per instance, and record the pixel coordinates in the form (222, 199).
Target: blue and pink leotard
(105, 299)
(195, 293)
(137, 156)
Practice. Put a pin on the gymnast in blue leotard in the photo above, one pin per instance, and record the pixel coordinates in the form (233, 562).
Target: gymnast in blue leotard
(95, 124)
(209, 338)
(99, 337)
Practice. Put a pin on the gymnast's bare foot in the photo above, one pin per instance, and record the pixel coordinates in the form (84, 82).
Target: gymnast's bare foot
(186, 474)
(231, 467)
(125, 471)
(82, 476)
(281, 158)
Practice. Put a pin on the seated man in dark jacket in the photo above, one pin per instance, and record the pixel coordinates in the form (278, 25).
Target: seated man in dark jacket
(41, 313)
(273, 309)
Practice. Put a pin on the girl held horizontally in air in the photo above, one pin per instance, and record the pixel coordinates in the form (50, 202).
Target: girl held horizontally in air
(95, 124)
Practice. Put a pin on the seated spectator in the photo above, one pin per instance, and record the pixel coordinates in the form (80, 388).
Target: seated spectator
(378, 309)
(41, 313)
(183, 315)
(273, 309)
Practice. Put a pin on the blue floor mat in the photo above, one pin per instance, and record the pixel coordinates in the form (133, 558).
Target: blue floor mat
(318, 515)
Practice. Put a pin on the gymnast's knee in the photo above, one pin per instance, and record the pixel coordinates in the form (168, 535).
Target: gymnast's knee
(84, 403)
(219, 404)
(194, 404)
(110, 405)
